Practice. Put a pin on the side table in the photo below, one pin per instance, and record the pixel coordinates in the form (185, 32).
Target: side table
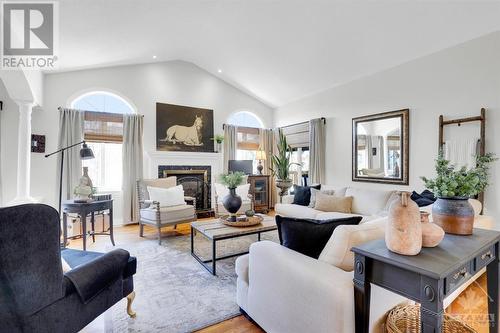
(84, 209)
(428, 277)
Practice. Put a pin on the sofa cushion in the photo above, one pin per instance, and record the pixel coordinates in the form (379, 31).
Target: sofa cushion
(241, 267)
(308, 236)
(337, 250)
(297, 211)
(314, 191)
(331, 203)
(368, 202)
(302, 194)
(338, 215)
(169, 214)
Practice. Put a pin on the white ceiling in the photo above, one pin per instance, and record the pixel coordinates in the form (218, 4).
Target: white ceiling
(278, 51)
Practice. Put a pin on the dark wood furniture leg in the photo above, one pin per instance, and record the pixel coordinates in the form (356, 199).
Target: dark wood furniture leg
(65, 229)
(110, 225)
(83, 219)
(92, 225)
(493, 291)
(362, 291)
(430, 321)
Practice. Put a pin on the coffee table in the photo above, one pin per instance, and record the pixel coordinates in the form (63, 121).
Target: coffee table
(215, 231)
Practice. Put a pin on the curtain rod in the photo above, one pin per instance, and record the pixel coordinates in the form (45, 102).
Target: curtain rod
(60, 108)
(304, 122)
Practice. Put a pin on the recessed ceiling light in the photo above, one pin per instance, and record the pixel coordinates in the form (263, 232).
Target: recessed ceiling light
(154, 57)
(219, 70)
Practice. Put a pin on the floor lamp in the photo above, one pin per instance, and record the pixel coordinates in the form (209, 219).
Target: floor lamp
(85, 154)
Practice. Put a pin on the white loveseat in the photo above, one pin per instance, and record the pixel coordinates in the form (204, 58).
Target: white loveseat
(287, 292)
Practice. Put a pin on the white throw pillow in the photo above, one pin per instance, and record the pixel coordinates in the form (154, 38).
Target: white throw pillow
(242, 191)
(337, 251)
(167, 197)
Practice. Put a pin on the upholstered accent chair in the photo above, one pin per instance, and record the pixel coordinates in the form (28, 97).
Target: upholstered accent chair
(246, 199)
(151, 213)
(35, 294)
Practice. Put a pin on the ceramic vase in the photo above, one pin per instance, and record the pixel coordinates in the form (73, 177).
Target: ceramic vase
(232, 203)
(85, 179)
(432, 234)
(404, 230)
(454, 214)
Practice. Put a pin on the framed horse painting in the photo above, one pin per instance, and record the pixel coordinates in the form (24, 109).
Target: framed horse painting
(184, 128)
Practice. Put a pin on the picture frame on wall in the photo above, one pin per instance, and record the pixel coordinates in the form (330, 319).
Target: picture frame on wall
(184, 128)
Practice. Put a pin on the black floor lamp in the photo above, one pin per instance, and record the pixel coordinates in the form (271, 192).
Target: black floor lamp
(85, 154)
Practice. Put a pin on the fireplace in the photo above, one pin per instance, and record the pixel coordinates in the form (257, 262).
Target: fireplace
(195, 180)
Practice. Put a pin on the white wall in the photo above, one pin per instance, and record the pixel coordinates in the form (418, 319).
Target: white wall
(455, 82)
(143, 86)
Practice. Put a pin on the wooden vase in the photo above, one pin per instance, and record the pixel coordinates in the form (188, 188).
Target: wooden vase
(404, 230)
(432, 234)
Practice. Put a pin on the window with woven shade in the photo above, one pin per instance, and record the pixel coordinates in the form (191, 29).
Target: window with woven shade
(103, 127)
(103, 131)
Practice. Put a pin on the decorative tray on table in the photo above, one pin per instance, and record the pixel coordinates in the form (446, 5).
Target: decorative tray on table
(242, 221)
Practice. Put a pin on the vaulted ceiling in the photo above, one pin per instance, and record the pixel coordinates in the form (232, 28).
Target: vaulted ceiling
(277, 50)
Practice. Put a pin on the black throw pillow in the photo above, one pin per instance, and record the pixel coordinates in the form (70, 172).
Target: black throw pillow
(302, 194)
(308, 236)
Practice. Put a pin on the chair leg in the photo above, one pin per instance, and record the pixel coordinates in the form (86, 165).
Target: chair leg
(130, 299)
(175, 226)
(141, 229)
(159, 235)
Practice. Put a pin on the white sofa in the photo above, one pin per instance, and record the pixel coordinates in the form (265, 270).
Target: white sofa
(370, 204)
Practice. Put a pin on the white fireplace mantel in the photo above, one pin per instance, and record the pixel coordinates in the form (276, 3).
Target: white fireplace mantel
(155, 158)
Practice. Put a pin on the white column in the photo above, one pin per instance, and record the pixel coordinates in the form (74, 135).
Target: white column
(24, 153)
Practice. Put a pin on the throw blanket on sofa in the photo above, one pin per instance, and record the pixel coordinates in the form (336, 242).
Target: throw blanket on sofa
(423, 199)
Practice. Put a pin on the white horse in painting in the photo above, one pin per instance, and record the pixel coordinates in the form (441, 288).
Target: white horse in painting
(190, 136)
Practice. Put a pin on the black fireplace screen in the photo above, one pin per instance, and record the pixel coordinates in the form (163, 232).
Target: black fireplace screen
(195, 180)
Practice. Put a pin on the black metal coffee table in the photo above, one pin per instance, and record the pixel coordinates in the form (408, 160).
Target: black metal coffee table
(428, 277)
(216, 231)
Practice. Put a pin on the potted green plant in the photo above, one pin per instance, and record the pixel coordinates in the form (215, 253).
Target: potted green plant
(453, 187)
(218, 139)
(281, 165)
(232, 201)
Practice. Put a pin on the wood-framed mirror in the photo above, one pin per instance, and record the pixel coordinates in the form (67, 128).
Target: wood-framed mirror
(380, 148)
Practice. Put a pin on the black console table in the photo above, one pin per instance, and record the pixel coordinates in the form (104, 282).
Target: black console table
(428, 277)
(84, 209)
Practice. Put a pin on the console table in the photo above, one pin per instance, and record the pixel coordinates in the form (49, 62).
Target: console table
(84, 209)
(428, 277)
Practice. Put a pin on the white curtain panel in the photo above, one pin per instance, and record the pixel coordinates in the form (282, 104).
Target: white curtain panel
(317, 151)
(230, 144)
(70, 132)
(132, 155)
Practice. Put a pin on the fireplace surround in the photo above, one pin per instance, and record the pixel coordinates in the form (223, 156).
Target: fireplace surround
(196, 181)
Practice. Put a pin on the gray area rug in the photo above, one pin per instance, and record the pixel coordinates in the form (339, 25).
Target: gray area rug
(174, 293)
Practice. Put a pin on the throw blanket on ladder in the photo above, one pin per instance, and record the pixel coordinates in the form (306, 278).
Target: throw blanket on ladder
(461, 152)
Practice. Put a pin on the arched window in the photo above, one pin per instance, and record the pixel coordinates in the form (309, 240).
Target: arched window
(248, 135)
(103, 131)
(246, 119)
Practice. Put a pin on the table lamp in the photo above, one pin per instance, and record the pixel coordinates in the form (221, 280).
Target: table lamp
(261, 156)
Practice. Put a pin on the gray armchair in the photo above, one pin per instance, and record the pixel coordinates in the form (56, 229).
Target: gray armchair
(152, 214)
(35, 294)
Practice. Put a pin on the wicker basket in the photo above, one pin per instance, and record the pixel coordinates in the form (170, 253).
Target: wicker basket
(406, 319)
